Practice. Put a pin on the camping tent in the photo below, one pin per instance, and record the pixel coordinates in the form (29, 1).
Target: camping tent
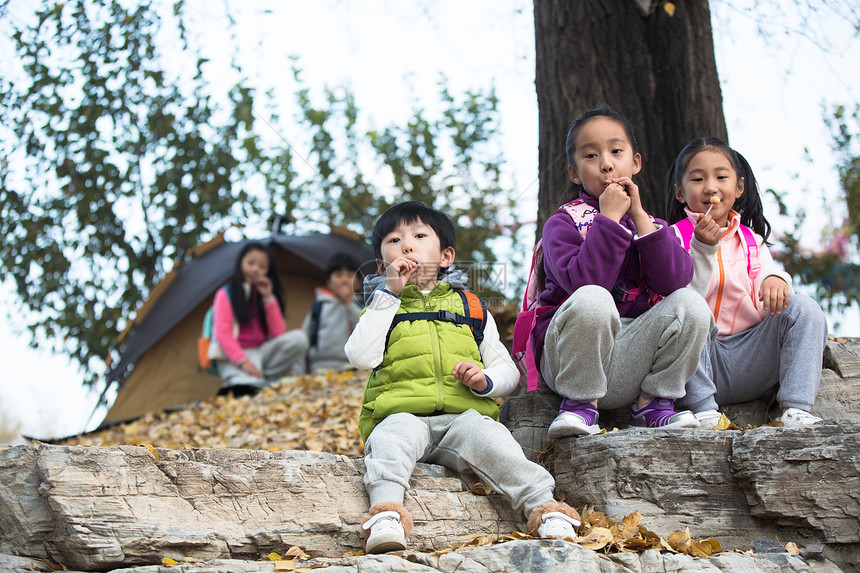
(158, 365)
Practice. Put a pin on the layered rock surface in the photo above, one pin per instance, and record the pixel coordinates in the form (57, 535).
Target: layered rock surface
(109, 508)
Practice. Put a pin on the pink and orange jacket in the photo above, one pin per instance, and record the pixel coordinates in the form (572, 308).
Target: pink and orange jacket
(720, 274)
(232, 337)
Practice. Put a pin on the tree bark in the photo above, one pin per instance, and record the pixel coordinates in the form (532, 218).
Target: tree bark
(658, 70)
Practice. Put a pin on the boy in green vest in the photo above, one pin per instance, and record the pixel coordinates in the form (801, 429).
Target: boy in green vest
(436, 372)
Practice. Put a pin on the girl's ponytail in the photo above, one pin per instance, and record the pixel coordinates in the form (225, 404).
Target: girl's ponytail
(750, 208)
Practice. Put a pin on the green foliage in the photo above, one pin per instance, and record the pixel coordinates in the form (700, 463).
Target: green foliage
(115, 161)
(833, 271)
(846, 133)
(445, 160)
(111, 169)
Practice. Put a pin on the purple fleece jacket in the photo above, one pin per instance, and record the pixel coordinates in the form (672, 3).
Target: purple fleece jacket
(608, 257)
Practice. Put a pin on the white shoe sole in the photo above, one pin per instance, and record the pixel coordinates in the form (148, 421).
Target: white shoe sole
(568, 428)
(385, 543)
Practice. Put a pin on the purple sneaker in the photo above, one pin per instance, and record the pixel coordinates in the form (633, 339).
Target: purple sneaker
(574, 419)
(660, 413)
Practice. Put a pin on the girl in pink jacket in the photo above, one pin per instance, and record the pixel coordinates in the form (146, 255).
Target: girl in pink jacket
(766, 336)
(253, 346)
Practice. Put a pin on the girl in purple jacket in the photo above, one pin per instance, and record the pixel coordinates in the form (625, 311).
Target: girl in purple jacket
(600, 338)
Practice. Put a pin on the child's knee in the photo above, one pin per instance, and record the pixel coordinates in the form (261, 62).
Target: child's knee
(400, 424)
(692, 310)
(590, 306)
(804, 307)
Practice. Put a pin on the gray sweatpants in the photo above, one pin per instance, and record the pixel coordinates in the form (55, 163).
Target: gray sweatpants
(274, 358)
(784, 349)
(591, 353)
(467, 441)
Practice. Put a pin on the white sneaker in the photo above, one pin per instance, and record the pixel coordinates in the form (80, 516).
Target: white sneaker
(570, 424)
(558, 525)
(386, 533)
(708, 418)
(797, 418)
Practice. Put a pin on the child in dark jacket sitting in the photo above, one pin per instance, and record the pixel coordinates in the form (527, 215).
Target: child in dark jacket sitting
(333, 316)
(430, 397)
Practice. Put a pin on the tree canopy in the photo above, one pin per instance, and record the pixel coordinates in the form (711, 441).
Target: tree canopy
(120, 149)
(115, 161)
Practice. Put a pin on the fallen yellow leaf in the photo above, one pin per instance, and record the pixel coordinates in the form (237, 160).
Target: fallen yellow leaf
(520, 535)
(725, 424)
(638, 544)
(629, 526)
(273, 556)
(152, 451)
(481, 489)
(680, 540)
(296, 552)
(597, 538)
(704, 548)
(168, 562)
(669, 7)
(597, 518)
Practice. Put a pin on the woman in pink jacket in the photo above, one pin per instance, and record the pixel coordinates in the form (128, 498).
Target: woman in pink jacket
(248, 324)
(765, 334)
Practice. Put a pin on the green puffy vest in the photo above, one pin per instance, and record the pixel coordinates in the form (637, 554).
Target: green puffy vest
(415, 373)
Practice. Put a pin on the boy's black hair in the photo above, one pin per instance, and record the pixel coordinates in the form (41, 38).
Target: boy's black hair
(410, 212)
(339, 261)
(748, 204)
(242, 310)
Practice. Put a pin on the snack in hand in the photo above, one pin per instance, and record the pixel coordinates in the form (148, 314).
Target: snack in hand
(714, 201)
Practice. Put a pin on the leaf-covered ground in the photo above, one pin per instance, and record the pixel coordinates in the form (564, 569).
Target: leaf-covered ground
(317, 412)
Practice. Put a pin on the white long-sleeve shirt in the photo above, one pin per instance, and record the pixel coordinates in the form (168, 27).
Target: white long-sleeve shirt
(366, 345)
(720, 275)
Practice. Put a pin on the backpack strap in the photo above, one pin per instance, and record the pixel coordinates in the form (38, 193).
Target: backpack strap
(208, 319)
(313, 332)
(476, 309)
(206, 336)
(475, 317)
(204, 341)
(530, 296)
(753, 263)
(314, 324)
(684, 229)
(581, 213)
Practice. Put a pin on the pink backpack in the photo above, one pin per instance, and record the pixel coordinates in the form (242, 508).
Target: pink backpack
(522, 352)
(685, 227)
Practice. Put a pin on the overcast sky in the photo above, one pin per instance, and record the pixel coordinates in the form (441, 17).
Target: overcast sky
(390, 53)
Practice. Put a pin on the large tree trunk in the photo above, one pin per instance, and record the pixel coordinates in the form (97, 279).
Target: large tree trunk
(658, 70)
